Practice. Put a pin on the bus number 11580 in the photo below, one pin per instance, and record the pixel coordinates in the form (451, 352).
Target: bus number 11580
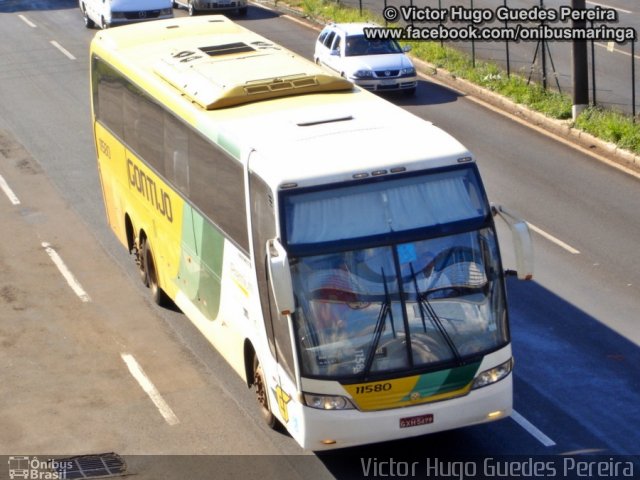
(373, 388)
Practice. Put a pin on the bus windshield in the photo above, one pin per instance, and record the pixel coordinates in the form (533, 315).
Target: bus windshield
(399, 307)
(395, 275)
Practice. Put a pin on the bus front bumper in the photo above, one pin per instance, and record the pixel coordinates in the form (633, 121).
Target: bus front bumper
(323, 430)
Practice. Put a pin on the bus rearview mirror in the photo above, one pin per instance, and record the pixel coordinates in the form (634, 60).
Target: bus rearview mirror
(280, 277)
(522, 243)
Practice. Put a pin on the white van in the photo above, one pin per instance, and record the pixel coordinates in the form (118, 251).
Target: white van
(110, 13)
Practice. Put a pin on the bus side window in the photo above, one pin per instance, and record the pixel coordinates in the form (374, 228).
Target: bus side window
(108, 101)
(176, 151)
(181, 171)
(131, 107)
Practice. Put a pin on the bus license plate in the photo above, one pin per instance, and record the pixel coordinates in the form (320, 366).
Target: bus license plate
(416, 421)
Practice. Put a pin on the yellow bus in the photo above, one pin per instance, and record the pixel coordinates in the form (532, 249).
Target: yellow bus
(339, 252)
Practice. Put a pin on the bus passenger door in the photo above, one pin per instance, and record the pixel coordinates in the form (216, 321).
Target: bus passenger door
(263, 229)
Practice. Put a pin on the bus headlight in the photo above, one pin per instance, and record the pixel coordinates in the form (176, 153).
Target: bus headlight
(493, 375)
(327, 402)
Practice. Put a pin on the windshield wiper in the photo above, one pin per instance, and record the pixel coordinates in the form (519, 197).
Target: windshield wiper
(385, 310)
(423, 298)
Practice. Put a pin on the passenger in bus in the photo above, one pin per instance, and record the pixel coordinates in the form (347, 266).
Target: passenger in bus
(329, 316)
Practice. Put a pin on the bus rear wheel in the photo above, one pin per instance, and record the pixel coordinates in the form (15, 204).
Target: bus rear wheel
(138, 252)
(260, 387)
(157, 294)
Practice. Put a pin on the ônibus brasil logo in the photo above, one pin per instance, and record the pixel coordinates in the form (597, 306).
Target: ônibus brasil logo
(36, 469)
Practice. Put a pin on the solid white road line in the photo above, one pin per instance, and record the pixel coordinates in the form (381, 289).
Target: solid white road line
(532, 429)
(8, 192)
(62, 49)
(553, 239)
(609, 7)
(27, 21)
(616, 50)
(66, 273)
(150, 389)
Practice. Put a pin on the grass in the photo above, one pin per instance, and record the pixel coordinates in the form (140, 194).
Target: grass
(609, 125)
(494, 78)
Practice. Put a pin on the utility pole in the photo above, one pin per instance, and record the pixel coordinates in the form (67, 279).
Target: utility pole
(580, 65)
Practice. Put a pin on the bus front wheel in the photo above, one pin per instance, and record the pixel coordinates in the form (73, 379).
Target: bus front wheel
(260, 387)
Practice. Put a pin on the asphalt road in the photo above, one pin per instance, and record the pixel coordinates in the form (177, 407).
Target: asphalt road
(67, 389)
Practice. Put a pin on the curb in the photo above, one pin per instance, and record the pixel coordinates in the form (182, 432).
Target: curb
(561, 128)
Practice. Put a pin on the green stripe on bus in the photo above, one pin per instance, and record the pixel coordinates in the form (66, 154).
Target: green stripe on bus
(444, 381)
(201, 281)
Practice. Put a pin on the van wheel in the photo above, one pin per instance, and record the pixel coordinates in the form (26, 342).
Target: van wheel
(157, 294)
(262, 395)
(87, 21)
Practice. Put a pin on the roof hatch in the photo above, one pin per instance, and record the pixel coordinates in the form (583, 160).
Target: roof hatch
(232, 73)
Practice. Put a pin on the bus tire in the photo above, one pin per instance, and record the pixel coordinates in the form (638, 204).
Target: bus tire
(139, 258)
(157, 294)
(262, 395)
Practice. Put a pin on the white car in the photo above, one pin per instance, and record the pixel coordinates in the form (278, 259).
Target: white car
(377, 65)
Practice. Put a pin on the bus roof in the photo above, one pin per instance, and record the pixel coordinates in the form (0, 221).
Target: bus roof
(308, 126)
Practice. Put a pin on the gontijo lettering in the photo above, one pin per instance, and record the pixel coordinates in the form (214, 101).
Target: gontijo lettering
(146, 186)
